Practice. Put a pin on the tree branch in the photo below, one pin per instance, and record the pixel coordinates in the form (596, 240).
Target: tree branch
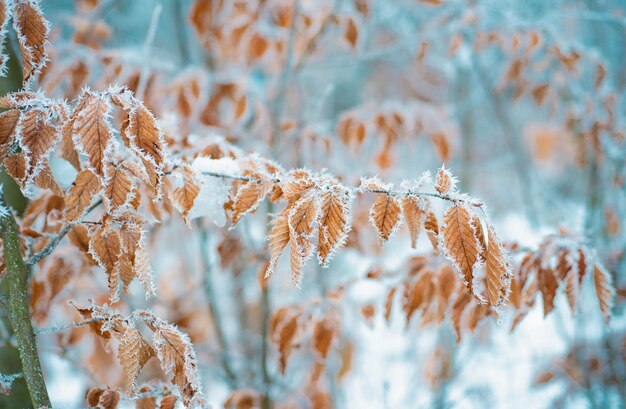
(19, 308)
(213, 310)
(357, 190)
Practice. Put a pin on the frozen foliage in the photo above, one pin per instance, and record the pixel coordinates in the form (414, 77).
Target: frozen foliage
(226, 151)
(214, 191)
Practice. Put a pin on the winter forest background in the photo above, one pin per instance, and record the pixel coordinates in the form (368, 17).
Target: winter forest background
(313, 204)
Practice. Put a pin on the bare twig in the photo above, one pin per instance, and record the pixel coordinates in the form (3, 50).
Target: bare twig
(46, 251)
(60, 328)
(145, 71)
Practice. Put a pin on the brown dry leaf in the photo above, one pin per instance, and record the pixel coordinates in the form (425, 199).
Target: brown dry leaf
(417, 293)
(81, 194)
(37, 137)
(455, 43)
(414, 215)
(105, 247)
(257, 46)
(547, 284)
(572, 289)
(334, 224)
(103, 398)
(278, 238)
(92, 131)
(302, 218)
(604, 290)
(67, 150)
(497, 270)
(32, 31)
(460, 242)
(168, 402)
(201, 18)
(133, 353)
(147, 401)
(389, 303)
(297, 183)
(8, 123)
(446, 286)
(351, 33)
(347, 357)
(243, 399)
(183, 197)
(79, 237)
(444, 182)
(442, 144)
(385, 216)
(600, 75)
(463, 299)
(125, 269)
(540, 92)
(177, 356)
(4, 21)
(248, 198)
(432, 230)
(582, 265)
(323, 334)
(143, 135)
(515, 297)
(284, 327)
(16, 168)
(118, 187)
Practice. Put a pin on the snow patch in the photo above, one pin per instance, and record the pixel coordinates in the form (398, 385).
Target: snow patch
(214, 190)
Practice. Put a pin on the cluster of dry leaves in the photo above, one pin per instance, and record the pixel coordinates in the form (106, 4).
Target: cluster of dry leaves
(129, 171)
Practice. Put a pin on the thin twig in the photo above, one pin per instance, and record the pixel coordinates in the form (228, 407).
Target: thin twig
(60, 328)
(154, 22)
(46, 251)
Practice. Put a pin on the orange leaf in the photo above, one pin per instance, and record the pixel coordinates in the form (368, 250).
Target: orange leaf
(334, 224)
(80, 195)
(92, 131)
(604, 290)
(385, 216)
(32, 31)
(460, 242)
